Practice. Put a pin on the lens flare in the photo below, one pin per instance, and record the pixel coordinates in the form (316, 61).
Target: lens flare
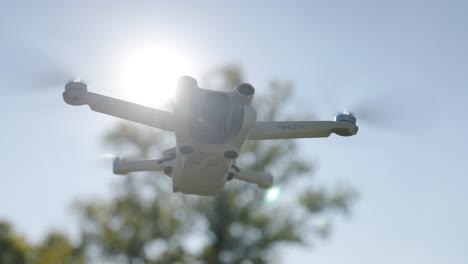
(272, 194)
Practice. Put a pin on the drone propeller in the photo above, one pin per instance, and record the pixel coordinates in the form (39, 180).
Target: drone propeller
(108, 156)
(385, 110)
(106, 159)
(56, 81)
(372, 113)
(41, 71)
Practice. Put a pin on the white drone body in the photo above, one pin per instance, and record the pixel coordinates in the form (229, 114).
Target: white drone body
(210, 129)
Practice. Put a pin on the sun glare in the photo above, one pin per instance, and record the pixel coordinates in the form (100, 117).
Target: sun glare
(272, 194)
(150, 74)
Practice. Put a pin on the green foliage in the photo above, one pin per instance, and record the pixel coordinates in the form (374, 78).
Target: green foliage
(125, 227)
(56, 248)
(145, 222)
(13, 248)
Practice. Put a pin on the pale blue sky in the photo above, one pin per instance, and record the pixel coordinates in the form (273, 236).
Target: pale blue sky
(412, 178)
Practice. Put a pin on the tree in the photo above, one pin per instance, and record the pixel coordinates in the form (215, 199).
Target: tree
(56, 248)
(239, 225)
(14, 248)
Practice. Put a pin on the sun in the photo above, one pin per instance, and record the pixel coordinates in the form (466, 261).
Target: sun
(150, 73)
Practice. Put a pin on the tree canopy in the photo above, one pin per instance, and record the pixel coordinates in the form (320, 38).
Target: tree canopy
(55, 248)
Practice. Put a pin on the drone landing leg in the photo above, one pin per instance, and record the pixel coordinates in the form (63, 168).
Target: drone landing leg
(263, 180)
(121, 166)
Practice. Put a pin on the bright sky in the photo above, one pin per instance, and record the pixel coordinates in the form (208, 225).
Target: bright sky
(411, 174)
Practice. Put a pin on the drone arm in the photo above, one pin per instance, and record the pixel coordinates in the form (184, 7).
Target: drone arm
(131, 111)
(263, 180)
(301, 129)
(122, 109)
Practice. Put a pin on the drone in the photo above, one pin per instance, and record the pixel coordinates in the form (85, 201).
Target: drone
(210, 128)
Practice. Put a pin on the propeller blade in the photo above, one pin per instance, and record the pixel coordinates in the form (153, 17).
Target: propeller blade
(41, 70)
(393, 111)
(106, 159)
